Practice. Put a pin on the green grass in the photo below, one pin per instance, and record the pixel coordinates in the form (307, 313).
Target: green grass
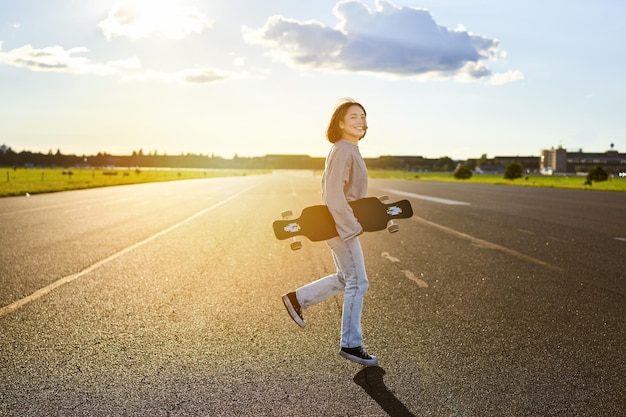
(571, 182)
(22, 181)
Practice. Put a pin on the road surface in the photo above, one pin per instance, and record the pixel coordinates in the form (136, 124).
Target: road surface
(164, 300)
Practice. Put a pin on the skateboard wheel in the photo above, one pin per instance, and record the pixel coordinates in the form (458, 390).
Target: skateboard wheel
(393, 228)
(383, 198)
(296, 245)
(286, 214)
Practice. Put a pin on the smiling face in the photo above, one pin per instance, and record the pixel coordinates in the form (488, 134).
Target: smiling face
(354, 124)
(347, 122)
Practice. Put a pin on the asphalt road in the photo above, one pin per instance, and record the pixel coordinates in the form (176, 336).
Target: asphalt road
(164, 300)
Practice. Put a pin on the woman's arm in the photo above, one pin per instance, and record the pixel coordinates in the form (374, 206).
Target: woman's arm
(337, 180)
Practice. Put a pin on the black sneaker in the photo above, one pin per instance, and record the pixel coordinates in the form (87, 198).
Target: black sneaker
(293, 308)
(358, 355)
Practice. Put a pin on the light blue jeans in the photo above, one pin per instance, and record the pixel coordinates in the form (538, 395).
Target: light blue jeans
(351, 279)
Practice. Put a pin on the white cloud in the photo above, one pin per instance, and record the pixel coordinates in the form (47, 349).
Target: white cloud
(202, 76)
(391, 40)
(507, 77)
(304, 43)
(127, 64)
(54, 58)
(239, 62)
(58, 59)
(188, 76)
(138, 19)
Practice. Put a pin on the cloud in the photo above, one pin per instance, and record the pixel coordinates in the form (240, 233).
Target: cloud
(55, 59)
(138, 19)
(58, 59)
(507, 77)
(126, 64)
(203, 76)
(135, 19)
(391, 40)
(195, 76)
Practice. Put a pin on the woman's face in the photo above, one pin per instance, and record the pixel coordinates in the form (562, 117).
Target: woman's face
(354, 124)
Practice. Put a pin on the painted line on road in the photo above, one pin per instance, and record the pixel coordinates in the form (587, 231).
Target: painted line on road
(65, 280)
(623, 239)
(486, 244)
(427, 198)
(41, 208)
(389, 257)
(410, 275)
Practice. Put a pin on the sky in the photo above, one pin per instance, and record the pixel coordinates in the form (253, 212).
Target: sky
(455, 78)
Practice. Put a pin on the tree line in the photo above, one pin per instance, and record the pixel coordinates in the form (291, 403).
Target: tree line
(9, 158)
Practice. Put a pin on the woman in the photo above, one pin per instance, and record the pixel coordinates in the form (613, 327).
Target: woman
(344, 180)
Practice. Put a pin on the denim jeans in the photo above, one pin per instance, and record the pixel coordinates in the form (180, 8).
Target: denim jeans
(351, 279)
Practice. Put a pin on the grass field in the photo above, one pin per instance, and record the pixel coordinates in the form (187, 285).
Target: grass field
(22, 181)
(556, 181)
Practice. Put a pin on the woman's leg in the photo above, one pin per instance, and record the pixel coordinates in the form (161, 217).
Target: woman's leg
(351, 264)
(324, 288)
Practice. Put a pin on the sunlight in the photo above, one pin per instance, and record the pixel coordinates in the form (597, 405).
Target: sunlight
(142, 18)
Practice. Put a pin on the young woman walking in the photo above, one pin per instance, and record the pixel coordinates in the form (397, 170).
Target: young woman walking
(344, 180)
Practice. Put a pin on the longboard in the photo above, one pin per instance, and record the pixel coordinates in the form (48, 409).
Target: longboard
(317, 224)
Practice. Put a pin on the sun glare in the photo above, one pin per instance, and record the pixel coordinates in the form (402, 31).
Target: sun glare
(142, 18)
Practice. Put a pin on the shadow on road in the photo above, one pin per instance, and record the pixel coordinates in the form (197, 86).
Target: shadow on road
(371, 380)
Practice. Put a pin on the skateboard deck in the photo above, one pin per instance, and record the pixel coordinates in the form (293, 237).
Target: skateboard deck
(316, 223)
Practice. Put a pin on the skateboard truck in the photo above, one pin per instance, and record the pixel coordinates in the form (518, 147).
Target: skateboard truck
(393, 211)
(292, 228)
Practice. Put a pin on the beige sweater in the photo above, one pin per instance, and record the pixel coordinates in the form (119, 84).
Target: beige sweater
(344, 180)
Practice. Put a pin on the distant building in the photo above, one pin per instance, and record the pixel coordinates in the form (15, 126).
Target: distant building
(553, 161)
(528, 163)
(489, 169)
(4, 149)
(573, 161)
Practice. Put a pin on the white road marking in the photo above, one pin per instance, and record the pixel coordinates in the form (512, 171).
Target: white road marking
(389, 257)
(623, 239)
(410, 275)
(40, 208)
(427, 198)
(65, 280)
(486, 244)
(420, 282)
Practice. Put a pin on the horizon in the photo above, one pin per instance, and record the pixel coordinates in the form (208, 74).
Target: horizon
(154, 153)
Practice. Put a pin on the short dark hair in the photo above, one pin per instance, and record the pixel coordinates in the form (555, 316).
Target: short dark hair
(334, 133)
